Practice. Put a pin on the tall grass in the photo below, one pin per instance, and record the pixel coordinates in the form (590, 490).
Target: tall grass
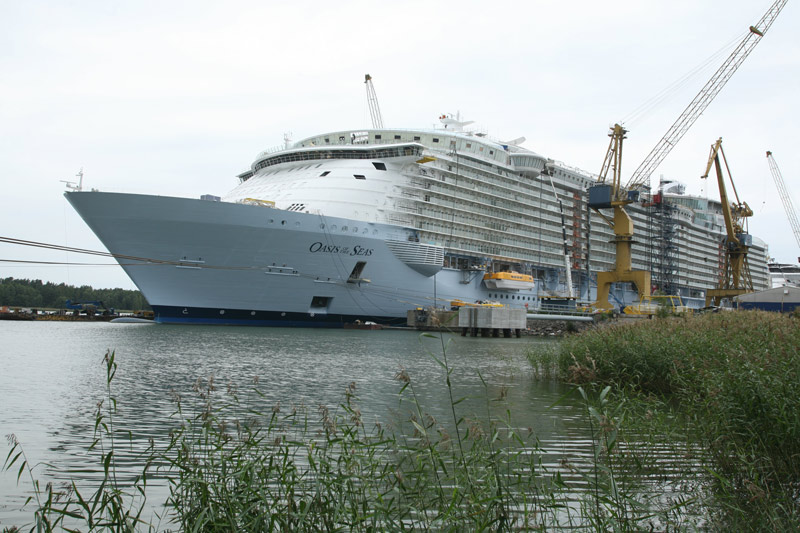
(235, 465)
(736, 380)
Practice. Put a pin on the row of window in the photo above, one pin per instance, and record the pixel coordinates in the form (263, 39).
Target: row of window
(311, 155)
(502, 296)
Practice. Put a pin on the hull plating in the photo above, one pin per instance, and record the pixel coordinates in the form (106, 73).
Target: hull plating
(222, 263)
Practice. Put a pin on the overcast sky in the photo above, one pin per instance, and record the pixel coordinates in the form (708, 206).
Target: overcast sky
(176, 98)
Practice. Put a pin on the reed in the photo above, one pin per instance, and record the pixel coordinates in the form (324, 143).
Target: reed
(233, 464)
(735, 378)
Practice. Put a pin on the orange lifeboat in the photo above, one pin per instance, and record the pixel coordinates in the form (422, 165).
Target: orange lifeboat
(508, 281)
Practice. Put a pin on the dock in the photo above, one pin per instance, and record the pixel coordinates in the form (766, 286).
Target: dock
(472, 321)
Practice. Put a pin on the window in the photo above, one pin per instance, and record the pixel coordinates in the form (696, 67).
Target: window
(324, 173)
(436, 139)
(416, 137)
(377, 137)
(378, 165)
(396, 137)
(359, 176)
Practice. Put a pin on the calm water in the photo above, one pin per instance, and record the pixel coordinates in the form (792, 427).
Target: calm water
(53, 376)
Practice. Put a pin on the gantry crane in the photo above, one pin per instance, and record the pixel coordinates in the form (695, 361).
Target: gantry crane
(603, 195)
(791, 214)
(372, 100)
(735, 277)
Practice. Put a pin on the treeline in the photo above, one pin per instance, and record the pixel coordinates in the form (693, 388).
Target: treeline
(36, 294)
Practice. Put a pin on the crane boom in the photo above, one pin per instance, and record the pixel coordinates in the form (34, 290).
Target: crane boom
(791, 214)
(696, 107)
(372, 100)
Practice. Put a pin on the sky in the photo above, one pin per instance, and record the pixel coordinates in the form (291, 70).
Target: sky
(176, 98)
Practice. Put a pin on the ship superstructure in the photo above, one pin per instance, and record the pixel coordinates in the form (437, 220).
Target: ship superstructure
(368, 224)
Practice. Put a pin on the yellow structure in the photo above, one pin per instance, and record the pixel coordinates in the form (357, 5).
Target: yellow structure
(616, 197)
(613, 196)
(735, 278)
(651, 305)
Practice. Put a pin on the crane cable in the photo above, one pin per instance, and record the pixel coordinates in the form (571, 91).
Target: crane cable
(646, 108)
(146, 260)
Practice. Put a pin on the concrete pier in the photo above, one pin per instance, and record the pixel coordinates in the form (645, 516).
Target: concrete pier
(491, 321)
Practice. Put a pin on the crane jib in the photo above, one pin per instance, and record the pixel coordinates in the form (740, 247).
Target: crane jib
(700, 102)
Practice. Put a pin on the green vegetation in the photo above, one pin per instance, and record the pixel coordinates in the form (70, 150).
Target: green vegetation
(735, 381)
(36, 294)
(234, 466)
(693, 423)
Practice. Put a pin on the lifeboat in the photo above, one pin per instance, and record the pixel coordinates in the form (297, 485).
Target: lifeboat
(508, 281)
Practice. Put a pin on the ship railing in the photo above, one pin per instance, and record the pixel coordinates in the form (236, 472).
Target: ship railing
(271, 150)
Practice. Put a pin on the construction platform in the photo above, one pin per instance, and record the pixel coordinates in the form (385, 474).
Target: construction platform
(473, 321)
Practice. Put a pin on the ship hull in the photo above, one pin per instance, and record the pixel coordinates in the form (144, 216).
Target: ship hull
(205, 262)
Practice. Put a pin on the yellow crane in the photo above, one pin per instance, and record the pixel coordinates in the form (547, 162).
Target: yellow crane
(735, 277)
(614, 196)
(604, 195)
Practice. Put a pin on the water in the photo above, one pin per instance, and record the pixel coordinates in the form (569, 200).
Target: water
(53, 377)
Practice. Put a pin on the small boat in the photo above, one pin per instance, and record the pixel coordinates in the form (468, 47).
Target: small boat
(508, 281)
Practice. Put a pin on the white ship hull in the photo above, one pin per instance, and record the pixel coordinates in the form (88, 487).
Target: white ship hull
(222, 263)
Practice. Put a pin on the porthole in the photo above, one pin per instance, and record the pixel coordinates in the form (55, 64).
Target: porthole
(222, 311)
(283, 222)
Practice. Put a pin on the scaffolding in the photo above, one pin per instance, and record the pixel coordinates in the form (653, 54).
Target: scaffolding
(664, 250)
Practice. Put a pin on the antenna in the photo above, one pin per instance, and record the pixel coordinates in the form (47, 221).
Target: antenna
(372, 100)
(71, 184)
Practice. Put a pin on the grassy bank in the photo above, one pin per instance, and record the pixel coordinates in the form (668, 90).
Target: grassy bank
(735, 378)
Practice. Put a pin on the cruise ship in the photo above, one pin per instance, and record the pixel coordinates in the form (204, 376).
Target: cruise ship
(365, 225)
